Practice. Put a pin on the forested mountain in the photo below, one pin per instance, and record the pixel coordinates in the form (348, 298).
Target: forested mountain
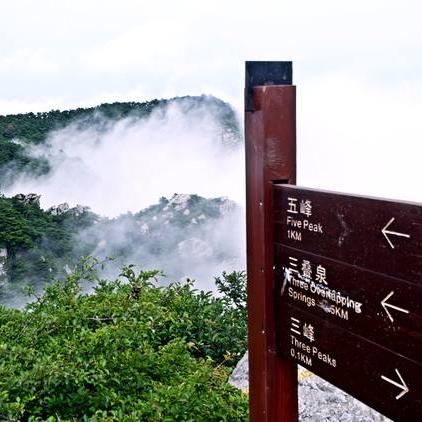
(18, 132)
(35, 245)
(184, 235)
(33, 127)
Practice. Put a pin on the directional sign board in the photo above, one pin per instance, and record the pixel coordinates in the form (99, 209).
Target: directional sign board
(372, 305)
(349, 294)
(384, 380)
(383, 236)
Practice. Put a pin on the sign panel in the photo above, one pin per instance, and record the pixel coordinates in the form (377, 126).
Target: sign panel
(383, 309)
(379, 235)
(349, 294)
(387, 382)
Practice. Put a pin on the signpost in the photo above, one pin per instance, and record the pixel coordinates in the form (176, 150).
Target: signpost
(348, 273)
(334, 280)
(270, 138)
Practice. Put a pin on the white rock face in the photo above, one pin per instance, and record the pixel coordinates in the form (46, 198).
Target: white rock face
(239, 378)
(30, 198)
(227, 206)
(186, 212)
(179, 201)
(78, 210)
(144, 228)
(194, 247)
(59, 209)
(3, 259)
(64, 208)
(67, 269)
(319, 401)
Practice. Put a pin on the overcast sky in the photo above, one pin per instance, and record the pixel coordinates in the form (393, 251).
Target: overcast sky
(357, 65)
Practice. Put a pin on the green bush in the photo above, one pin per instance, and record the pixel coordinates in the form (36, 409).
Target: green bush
(129, 351)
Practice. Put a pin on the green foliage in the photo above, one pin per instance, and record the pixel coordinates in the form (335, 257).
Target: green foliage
(33, 127)
(233, 287)
(37, 242)
(15, 160)
(130, 351)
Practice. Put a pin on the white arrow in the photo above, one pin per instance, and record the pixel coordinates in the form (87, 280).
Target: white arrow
(403, 386)
(386, 305)
(386, 232)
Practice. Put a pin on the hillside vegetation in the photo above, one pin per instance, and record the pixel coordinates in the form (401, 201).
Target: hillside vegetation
(36, 245)
(130, 351)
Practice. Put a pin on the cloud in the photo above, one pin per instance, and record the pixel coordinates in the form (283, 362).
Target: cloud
(354, 137)
(161, 48)
(186, 240)
(142, 47)
(33, 61)
(115, 167)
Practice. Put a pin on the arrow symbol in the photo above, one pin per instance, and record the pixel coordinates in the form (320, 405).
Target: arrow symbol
(386, 305)
(386, 232)
(402, 386)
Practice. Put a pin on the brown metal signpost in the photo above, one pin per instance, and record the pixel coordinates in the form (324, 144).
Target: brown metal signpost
(270, 132)
(349, 294)
(334, 281)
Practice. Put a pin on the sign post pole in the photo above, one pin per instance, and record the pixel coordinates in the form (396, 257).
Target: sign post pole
(270, 136)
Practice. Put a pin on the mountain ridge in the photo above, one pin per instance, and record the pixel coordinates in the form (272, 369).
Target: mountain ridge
(20, 132)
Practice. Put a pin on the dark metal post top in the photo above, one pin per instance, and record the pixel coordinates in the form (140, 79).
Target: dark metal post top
(265, 73)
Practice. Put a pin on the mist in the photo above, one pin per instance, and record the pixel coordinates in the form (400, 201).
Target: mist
(125, 165)
(185, 236)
